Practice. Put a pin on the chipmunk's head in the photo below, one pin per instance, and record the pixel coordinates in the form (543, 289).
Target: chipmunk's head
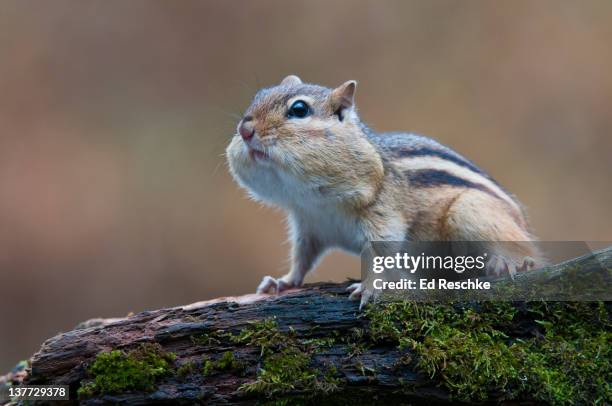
(300, 143)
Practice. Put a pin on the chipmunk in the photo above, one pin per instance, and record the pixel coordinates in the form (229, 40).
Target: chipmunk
(303, 147)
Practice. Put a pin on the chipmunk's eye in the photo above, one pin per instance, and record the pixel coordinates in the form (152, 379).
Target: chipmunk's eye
(299, 109)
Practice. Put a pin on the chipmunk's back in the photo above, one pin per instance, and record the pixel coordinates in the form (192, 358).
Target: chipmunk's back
(427, 163)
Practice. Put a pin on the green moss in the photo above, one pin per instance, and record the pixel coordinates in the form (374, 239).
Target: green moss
(318, 344)
(227, 362)
(205, 339)
(117, 371)
(186, 369)
(287, 362)
(263, 334)
(291, 371)
(563, 354)
(208, 367)
(283, 372)
(356, 342)
(471, 353)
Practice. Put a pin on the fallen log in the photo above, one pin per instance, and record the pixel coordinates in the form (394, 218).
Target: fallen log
(312, 345)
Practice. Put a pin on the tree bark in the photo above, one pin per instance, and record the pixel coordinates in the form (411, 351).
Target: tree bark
(316, 311)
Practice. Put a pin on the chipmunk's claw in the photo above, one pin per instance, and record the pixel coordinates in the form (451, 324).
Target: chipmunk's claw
(356, 289)
(359, 292)
(273, 286)
(499, 265)
(528, 264)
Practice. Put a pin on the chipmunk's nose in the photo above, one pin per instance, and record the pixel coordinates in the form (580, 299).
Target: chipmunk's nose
(246, 128)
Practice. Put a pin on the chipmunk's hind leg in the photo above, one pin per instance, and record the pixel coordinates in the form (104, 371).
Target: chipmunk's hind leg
(476, 216)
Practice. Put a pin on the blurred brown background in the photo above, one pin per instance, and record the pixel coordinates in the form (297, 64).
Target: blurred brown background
(114, 115)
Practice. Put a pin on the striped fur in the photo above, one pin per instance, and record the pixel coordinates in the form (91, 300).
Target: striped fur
(436, 177)
(427, 163)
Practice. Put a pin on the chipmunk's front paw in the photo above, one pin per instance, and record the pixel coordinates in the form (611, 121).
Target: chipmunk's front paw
(359, 292)
(499, 265)
(272, 285)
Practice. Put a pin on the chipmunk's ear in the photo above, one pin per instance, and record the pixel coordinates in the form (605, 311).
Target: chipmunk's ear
(291, 80)
(343, 97)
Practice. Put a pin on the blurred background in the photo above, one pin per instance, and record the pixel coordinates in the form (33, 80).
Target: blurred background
(114, 116)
